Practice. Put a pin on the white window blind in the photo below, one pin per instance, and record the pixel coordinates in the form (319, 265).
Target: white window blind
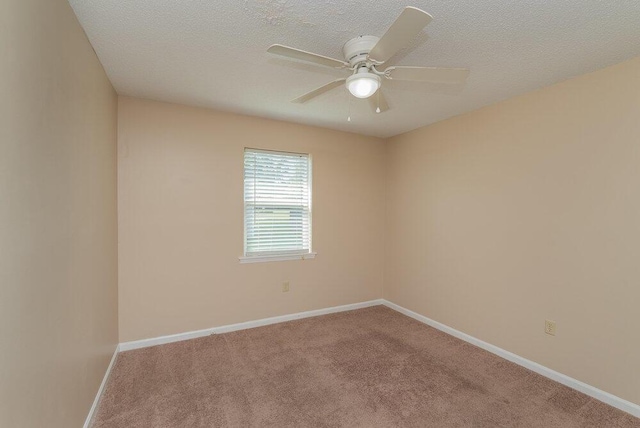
(277, 203)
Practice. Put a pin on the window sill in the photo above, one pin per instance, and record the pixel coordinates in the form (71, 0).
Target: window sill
(276, 258)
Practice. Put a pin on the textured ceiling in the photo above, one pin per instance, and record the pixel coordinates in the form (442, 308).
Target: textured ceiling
(212, 53)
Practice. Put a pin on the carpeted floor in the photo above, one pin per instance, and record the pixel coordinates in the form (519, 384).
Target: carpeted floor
(366, 368)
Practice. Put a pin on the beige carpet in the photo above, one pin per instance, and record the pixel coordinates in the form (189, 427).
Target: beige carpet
(366, 368)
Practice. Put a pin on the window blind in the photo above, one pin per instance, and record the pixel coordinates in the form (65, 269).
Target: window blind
(277, 203)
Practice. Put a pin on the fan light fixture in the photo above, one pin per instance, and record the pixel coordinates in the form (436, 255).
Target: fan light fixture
(366, 57)
(363, 84)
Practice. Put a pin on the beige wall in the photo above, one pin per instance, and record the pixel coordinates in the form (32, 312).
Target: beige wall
(58, 261)
(524, 211)
(180, 182)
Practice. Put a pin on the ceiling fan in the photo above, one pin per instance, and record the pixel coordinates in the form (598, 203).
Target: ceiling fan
(365, 54)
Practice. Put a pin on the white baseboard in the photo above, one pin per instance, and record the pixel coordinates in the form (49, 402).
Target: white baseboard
(137, 344)
(589, 390)
(96, 400)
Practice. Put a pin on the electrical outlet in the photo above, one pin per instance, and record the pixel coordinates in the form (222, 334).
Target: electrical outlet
(550, 327)
(285, 287)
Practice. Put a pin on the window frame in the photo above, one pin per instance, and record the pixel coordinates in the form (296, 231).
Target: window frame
(274, 256)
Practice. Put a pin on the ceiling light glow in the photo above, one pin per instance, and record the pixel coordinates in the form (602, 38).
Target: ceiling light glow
(363, 84)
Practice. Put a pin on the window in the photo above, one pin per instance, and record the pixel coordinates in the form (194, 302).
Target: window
(277, 206)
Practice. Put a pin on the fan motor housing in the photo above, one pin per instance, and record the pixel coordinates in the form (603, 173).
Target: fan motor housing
(357, 49)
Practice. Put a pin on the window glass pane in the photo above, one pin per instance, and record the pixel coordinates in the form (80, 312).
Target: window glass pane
(277, 197)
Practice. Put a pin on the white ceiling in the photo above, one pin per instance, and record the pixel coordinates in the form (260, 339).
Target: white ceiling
(212, 53)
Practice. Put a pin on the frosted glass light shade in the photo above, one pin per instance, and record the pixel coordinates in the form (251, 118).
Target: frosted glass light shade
(363, 84)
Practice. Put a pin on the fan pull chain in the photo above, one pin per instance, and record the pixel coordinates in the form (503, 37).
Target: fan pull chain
(349, 109)
(378, 95)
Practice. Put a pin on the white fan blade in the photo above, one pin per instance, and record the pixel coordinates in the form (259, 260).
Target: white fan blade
(378, 102)
(306, 56)
(427, 74)
(321, 90)
(410, 22)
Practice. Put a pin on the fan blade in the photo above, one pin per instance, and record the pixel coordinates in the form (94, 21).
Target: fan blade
(427, 74)
(410, 22)
(321, 90)
(306, 56)
(378, 101)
